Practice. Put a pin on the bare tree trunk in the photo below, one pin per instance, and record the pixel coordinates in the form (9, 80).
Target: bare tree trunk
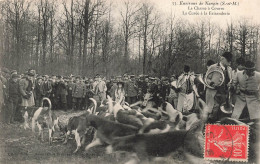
(38, 38)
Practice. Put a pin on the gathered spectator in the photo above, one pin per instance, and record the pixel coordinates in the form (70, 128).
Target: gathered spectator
(61, 94)
(100, 88)
(53, 92)
(120, 93)
(13, 93)
(142, 88)
(78, 93)
(83, 101)
(131, 90)
(173, 96)
(26, 89)
(184, 89)
(113, 90)
(46, 86)
(38, 91)
(69, 96)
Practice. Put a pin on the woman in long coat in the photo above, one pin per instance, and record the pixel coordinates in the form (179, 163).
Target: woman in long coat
(26, 89)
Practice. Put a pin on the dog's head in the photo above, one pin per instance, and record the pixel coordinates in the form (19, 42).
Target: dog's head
(91, 120)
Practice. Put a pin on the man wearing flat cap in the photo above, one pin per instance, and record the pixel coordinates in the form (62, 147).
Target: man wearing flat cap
(217, 94)
(248, 96)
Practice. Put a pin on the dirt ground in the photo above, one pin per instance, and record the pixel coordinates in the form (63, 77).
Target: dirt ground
(18, 145)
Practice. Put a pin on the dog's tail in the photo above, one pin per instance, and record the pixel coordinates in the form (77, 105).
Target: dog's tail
(204, 110)
(95, 105)
(48, 100)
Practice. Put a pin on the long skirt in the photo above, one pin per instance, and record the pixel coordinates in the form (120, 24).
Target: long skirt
(28, 102)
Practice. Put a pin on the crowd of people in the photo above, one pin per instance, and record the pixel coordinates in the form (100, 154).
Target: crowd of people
(220, 87)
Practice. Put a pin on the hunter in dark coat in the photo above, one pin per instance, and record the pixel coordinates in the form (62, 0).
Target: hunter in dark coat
(13, 93)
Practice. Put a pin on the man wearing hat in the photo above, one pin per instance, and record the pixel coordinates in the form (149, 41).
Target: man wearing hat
(61, 94)
(131, 90)
(141, 87)
(13, 92)
(118, 78)
(249, 87)
(240, 62)
(184, 89)
(38, 91)
(46, 86)
(78, 94)
(217, 96)
(53, 95)
(101, 89)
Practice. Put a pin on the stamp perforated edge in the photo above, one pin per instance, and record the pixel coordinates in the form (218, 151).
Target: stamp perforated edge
(230, 159)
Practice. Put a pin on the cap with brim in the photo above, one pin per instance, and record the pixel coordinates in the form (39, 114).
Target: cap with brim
(13, 71)
(15, 76)
(30, 74)
(38, 78)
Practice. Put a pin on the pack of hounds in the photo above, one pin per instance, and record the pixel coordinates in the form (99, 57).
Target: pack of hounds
(146, 132)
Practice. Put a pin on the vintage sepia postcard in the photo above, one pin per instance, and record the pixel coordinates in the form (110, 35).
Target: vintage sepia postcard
(129, 81)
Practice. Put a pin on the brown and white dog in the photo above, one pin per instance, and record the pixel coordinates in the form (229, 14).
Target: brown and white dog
(107, 130)
(77, 126)
(162, 144)
(44, 117)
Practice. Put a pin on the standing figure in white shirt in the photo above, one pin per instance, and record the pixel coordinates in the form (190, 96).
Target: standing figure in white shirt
(184, 89)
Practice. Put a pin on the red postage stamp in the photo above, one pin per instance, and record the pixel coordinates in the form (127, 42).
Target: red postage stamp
(226, 142)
